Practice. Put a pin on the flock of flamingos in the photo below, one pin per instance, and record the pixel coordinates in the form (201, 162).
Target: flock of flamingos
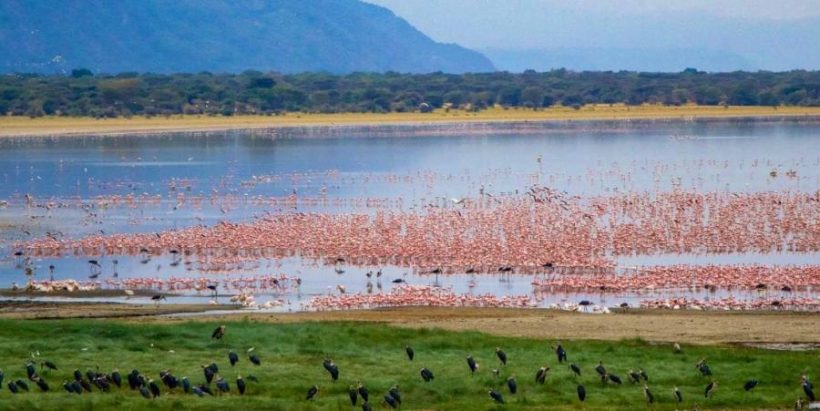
(563, 242)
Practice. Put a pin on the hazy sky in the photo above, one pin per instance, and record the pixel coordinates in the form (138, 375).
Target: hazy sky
(531, 23)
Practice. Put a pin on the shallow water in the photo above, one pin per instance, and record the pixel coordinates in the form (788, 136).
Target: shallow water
(179, 180)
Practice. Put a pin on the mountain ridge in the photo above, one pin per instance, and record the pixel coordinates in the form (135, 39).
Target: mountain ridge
(336, 36)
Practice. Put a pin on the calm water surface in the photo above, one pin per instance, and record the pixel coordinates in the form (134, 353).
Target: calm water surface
(180, 180)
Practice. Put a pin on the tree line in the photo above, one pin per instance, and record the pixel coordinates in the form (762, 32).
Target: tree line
(82, 93)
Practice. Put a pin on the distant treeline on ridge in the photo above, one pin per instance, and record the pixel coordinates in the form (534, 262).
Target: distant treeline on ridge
(130, 94)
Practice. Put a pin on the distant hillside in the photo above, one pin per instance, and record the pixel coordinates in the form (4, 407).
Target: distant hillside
(164, 36)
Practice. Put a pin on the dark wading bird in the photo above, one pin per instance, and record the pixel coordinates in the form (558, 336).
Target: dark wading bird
(472, 364)
(331, 368)
(410, 352)
(390, 401)
(13, 388)
(541, 375)
(205, 389)
(512, 385)
(222, 385)
(601, 370)
(615, 379)
(22, 385)
(710, 389)
(208, 372)
(186, 385)
(678, 395)
(495, 395)
(703, 368)
(643, 375)
(154, 388)
(311, 394)
(48, 364)
(560, 353)
(634, 376)
(363, 392)
(116, 378)
(353, 394)
(218, 333)
(502, 356)
(30, 371)
(808, 389)
(648, 394)
(254, 359)
(233, 358)
(240, 385)
(394, 393)
(41, 383)
(750, 385)
(575, 370)
(144, 392)
(582, 393)
(426, 375)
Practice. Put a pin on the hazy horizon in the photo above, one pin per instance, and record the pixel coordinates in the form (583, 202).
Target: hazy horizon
(722, 35)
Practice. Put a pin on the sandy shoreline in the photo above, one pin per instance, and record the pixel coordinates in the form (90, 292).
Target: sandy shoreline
(11, 127)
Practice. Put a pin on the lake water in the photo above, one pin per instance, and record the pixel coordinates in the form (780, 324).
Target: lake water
(179, 180)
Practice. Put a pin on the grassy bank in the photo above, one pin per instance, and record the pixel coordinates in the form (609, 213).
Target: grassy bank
(292, 355)
(23, 126)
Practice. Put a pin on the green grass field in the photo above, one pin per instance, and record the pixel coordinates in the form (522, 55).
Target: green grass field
(292, 357)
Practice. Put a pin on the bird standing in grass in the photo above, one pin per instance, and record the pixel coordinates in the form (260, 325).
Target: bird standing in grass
(512, 385)
(582, 393)
(808, 389)
(410, 352)
(576, 370)
(353, 394)
(362, 390)
(311, 394)
(560, 353)
(218, 333)
(541, 375)
(222, 385)
(154, 388)
(750, 385)
(502, 356)
(601, 370)
(426, 375)
(495, 395)
(472, 364)
(389, 400)
(710, 389)
(233, 358)
(648, 394)
(394, 393)
(678, 396)
(240, 385)
(331, 368)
